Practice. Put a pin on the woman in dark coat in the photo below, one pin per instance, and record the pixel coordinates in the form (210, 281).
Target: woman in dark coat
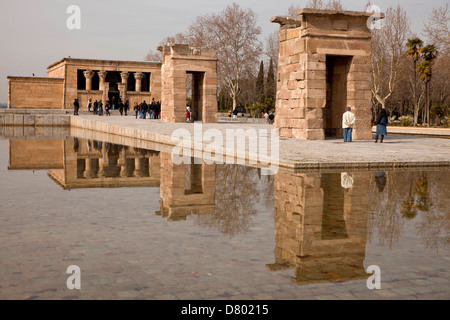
(382, 121)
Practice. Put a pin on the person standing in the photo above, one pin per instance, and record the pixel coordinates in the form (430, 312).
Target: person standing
(348, 120)
(121, 107)
(382, 121)
(144, 109)
(100, 108)
(94, 111)
(188, 114)
(89, 105)
(136, 109)
(152, 109)
(126, 107)
(158, 110)
(107, 107)
(76, 106)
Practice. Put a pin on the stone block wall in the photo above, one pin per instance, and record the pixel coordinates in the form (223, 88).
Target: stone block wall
(178, 60)
(305, 44)
(35, 93)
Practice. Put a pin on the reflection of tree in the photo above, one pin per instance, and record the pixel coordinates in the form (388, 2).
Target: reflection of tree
(236, 196)
(409, 209)
(397, 202)
(267, 192)
(386, 207)
(434, 227)
(421, 191)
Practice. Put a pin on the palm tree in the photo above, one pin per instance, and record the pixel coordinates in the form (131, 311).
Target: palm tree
(429, 53)
(414, 45)
(424, 70)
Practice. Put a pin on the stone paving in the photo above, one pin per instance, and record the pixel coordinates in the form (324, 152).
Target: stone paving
(395, 151)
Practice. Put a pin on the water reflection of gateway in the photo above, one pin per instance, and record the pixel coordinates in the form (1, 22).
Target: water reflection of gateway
(320, 227)
(186, 188)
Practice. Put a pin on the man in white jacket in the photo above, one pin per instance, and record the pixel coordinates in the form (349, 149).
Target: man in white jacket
(348, 120)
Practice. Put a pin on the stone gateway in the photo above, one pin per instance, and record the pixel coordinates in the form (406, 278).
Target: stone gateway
(323, 67)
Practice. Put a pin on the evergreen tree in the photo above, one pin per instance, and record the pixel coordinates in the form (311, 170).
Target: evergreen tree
(270, 86)
(260, 83)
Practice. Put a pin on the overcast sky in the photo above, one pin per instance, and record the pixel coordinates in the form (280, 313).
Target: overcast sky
(34, 32)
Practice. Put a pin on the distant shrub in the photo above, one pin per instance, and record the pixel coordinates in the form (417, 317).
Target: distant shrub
(406, 121)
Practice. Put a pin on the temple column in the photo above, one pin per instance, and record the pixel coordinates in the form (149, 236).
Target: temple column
(123, 163)
(88, 74)
(104, 86)
(103, 162)
(138, 76)
(88, 169)
(123, 86)
(137, 167)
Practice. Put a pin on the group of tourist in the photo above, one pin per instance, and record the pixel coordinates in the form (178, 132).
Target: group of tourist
(97, 107)
(153, 109)
(348, 120)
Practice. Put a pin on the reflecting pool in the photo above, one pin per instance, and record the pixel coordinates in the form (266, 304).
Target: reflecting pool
(141, 227)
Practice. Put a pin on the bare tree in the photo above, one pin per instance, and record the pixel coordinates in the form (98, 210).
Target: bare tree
(436, 29)
(233, 33)
(317, 5)
(388, 53)
(271, 49)
(155, 55)
(321, 5)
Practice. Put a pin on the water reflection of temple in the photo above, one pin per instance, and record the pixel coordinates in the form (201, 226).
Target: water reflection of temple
(83, 163)
(320, 226)
(186, 188)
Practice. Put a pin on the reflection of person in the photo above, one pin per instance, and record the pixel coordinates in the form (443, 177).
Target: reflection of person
(346, 180)
(380, 180)
(382, 121)
(348, 120)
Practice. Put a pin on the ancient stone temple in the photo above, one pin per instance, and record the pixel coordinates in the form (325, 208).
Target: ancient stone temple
(323, 67)
(85, 79)
(179, 63)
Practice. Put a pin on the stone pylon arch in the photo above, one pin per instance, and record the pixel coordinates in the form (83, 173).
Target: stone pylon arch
(323, 67)
(179, 61)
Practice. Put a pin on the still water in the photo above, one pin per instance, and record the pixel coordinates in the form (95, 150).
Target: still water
(141, 227)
